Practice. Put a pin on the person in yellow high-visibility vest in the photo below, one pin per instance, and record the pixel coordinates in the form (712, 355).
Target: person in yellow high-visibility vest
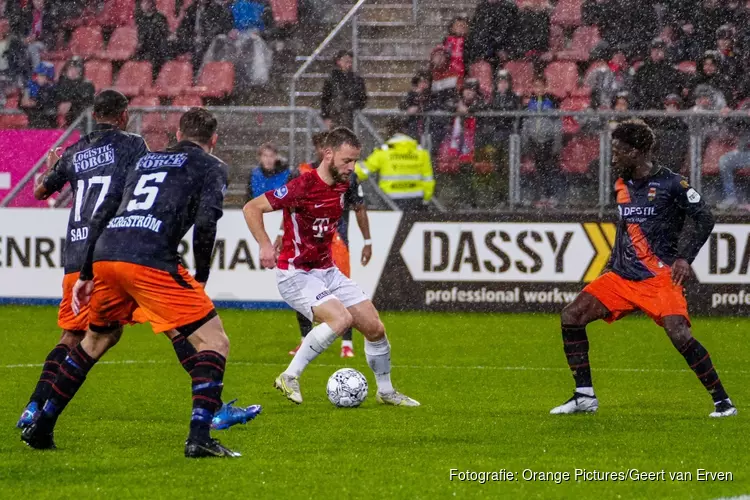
(404, 169)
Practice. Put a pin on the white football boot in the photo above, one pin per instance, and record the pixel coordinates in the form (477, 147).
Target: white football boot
(723, 408)
(579, 403)
(289, 387)
(395, 398)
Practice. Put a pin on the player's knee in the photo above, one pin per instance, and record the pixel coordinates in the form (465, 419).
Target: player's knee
(221, 343)
(342, 322)
(572, 315)
(71, 338)
(375, 332)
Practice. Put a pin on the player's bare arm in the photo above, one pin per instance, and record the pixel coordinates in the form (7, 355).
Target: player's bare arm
(40, 190)
(364, 226)
(253, 212)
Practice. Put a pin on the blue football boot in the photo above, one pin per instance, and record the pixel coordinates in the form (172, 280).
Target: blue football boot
(29, 415)
(230, 415)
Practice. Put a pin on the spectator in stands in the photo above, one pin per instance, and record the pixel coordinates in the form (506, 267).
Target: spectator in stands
(532, 36)
(656, 79)
(455, 43)
(343, 93)
(153, 33)
(542, 139)
(708, 18)
(503, 99)
(40, 99)
(688, 45)
(735, 160)
(14, 62)
(621, 23)
(203, 21)
(672, 136)
(607, 81)
(444, 93)
(417, 101)
(74, 89)
(492, 31)
(39, 27)
(729, 61)
(251, 15)
(709, 75)
(269, 174)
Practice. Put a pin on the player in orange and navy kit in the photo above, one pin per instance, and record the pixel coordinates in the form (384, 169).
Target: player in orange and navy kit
(94, 166)
(131, 261)
(353, 200)
(648, 267)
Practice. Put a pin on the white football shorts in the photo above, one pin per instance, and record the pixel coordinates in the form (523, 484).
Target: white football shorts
(303, 290)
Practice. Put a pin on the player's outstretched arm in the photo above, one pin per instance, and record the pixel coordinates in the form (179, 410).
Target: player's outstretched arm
(253, 212)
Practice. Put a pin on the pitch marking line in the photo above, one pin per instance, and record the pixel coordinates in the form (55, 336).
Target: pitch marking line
(407, 367)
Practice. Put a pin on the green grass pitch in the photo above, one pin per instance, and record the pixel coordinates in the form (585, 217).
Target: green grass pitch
(486, 383)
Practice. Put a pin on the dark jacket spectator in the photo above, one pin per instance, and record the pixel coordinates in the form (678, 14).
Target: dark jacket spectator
(417, 101)
(688, 45)
(446, 82)
(656, 79)
(343, 93)
(40, 97)
(39, 27)
(504, 99)
(532, 38)
(492, 30)
(14, 62)
(730, 62)
(709, 74)
(708, 18)
(622, 24)
(153, 33)
(542, 139)
(672, 136)
(203, 21)
(73, 88)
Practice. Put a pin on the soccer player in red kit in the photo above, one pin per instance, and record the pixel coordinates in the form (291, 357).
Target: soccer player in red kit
(307, 278)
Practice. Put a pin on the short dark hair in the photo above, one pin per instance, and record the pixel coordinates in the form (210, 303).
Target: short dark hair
(636, 134)
(318, 139)
(343, 53)
(340, 136)
(110, 104)
(198, 124)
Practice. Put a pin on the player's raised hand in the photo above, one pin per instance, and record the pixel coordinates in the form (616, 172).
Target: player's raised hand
(680, 271)
(267, 256)
(52, 157)
(366, 254)
(81, 294)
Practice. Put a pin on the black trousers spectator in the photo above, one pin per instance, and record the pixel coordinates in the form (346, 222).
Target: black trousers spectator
(545, 159)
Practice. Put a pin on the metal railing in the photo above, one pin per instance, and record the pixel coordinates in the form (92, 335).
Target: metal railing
(84, 118)
(700, 129)
(313, 57)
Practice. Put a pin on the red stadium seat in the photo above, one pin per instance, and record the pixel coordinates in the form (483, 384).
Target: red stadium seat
(688, 67)
(187, 100)
(284, 11)
(522, 73)
(556, 38)
(570, 124)
(134, 78)
(13, 120)
(562, 78)
(174, 78)
(578, 154)
(482, 71)
(216, 80)
(100, 74)
(117, 13)
(567, 13)
(153, 122)
(714, 150)
(145, 101)
(584, 40)
(87, 41)
(122, 44)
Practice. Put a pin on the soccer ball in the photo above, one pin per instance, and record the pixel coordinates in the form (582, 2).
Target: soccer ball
(347, 388)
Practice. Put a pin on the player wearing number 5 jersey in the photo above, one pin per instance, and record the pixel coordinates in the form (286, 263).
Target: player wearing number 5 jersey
(94, 166)
(131, 261)
(306, 276)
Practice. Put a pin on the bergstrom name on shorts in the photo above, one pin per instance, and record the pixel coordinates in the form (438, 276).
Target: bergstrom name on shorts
(509, 296)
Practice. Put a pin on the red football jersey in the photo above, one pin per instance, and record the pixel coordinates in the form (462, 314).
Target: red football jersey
(312, 210)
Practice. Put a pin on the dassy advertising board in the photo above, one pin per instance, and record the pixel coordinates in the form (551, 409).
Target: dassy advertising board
(420, 262)
(530, 264)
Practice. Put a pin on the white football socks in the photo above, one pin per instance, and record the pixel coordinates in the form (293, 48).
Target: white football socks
(378, 356)
(318, 340)
(586, 391)
(347, 343)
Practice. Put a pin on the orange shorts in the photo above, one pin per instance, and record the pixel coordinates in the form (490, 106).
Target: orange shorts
(658, 297)
(65, 317)
(341, 255)
(167, 300)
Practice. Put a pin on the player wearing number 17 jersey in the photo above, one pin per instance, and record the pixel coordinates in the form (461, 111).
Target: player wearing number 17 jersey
(94, 166)
(306, 276)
